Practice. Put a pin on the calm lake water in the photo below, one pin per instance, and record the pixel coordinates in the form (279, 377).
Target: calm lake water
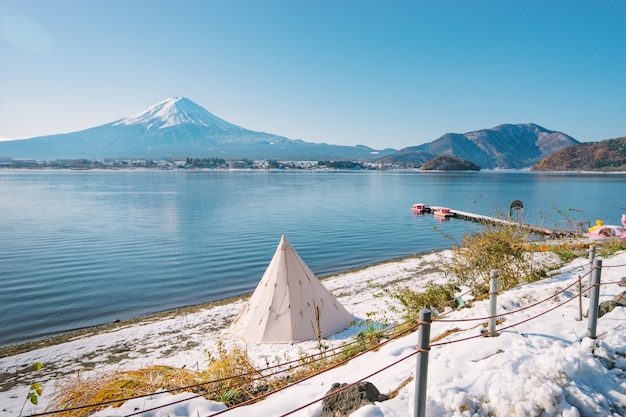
(79, 249)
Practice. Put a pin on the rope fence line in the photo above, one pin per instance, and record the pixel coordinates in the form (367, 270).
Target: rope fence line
(564, 271)
(392, 334)
(559, 305)
(323, 357)
(320, 357)
(509, 312)
(332, 367)
(449, 342)
(568, 300)
(435, 345)
(375, 347)
(415, 353)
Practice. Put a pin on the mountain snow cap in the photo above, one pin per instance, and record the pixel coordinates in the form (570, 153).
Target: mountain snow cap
(174, 111)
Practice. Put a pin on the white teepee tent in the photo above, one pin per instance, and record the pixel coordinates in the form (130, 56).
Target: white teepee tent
(290, 304)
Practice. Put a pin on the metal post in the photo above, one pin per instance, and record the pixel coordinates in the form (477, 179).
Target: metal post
(421, 369)
(594, 297)
(493, 298)
(580, 298)
(592, 256)
(592, 253)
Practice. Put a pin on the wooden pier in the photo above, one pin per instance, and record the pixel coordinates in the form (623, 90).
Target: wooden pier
(479, 218)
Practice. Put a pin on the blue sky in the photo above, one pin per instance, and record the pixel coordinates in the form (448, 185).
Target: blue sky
(378, 73)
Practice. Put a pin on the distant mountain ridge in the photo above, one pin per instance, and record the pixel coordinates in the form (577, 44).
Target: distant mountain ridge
(178, 127)
(504, 146)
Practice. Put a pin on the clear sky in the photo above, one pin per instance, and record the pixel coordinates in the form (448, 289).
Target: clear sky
(378, 73)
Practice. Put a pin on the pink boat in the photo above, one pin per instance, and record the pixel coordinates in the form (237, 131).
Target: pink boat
(419, 208)
(443, 213)
(606, 231)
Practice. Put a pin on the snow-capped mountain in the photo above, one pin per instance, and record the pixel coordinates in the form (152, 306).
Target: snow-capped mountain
(173, 112)
(178, 127)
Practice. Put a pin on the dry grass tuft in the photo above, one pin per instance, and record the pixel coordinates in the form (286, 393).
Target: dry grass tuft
(232, 373)
(110, 387)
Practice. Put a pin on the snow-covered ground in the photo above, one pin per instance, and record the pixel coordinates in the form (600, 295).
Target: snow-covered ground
(540, 367)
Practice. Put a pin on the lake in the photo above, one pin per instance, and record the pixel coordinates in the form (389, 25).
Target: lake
(79, 249)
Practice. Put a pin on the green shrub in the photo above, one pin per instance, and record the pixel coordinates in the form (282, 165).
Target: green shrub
(502, 248)
(434, 297)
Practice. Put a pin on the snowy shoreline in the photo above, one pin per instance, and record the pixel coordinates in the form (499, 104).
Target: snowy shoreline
(18, 348)
(546, 364)
(181, 337)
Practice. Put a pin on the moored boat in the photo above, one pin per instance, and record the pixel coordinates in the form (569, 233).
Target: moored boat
(606, 231)
(443, 213)
(419, 208)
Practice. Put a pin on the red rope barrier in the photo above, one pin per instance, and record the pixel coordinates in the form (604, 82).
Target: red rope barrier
(346, 360)
(507, 327)
(263, 396)
(304, 361)
(508, 312)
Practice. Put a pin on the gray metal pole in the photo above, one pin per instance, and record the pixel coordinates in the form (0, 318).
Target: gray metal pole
(421, 369)
(580, 298)
(594, 298)
(592, 256)
(493, 299)
(592, 253)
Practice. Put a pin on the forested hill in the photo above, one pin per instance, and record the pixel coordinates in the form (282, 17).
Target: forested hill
(449, 163)
(606, 155)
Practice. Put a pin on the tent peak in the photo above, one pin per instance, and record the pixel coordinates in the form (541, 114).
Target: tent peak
(284, 243)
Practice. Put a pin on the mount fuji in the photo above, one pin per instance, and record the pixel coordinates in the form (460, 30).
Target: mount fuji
(178, 127)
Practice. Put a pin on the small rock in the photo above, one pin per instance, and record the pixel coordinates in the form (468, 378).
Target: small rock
(608, 306)
(347, 401)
